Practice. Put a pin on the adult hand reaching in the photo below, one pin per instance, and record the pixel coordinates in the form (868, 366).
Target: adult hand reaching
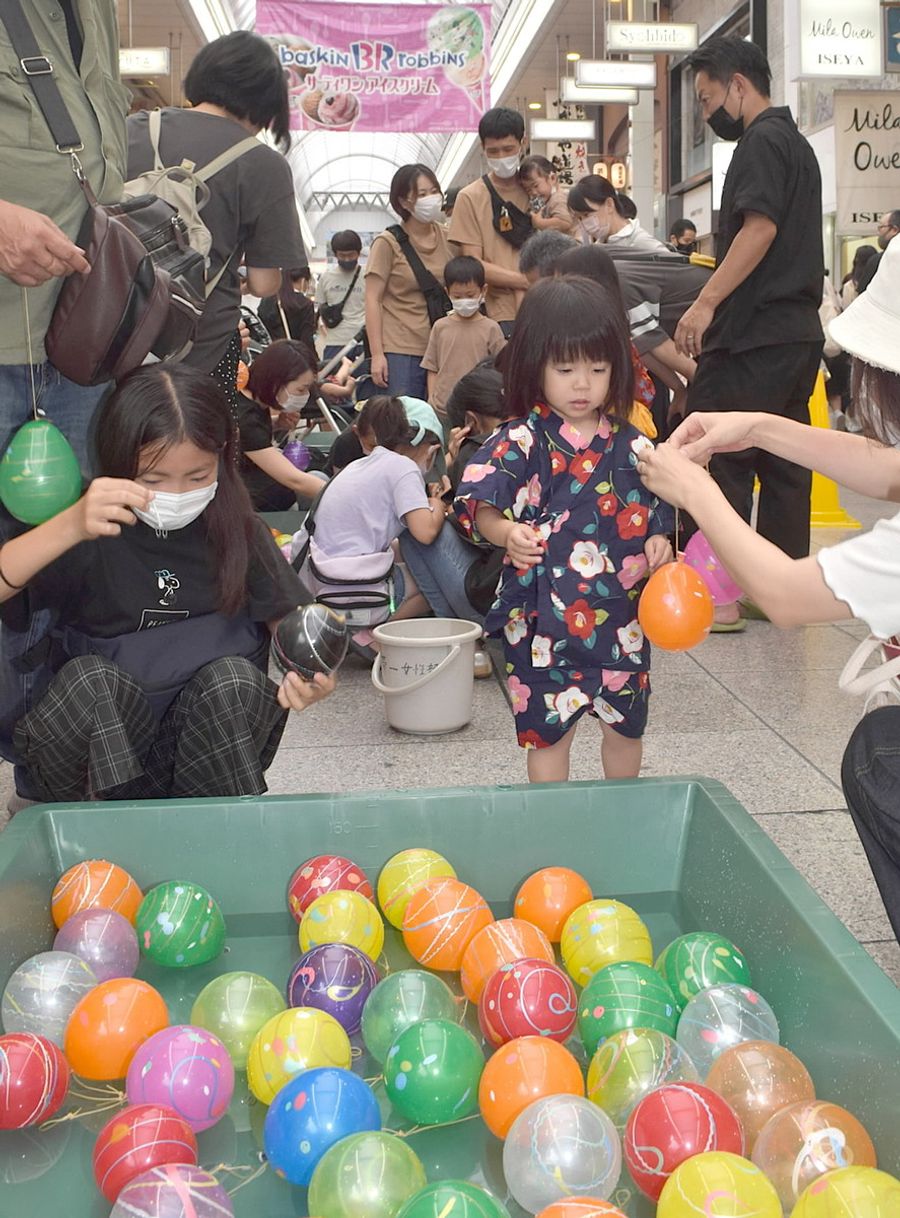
(701, 435)
(33, 249)
(670, 474)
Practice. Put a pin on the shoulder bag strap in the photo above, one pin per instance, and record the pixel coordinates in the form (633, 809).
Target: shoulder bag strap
(346, 295)
(310, 525)
(424, 278)
(226, 158)
(39, 73)
(284, 320)
(154, 127)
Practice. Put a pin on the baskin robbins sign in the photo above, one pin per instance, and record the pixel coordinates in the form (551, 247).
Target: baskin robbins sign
(380, 67)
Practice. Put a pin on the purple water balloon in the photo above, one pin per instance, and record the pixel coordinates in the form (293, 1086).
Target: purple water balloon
(335, 978)
(174, 1190)
(297, 453)
(102, 938)
(184, 1068)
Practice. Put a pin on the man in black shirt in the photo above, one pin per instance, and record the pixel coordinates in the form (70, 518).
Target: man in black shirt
(755, 325)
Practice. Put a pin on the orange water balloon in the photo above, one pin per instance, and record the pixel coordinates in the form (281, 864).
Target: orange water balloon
(548, 897)
(581, 1207)
(109, 1025)
(675, 610)
(94, 884)
(441, 920)
(522, 1071)
(500, 943)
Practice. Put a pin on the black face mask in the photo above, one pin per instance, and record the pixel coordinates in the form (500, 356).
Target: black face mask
(726, 127)
(723, 125)
(686, 247)
(348, 266)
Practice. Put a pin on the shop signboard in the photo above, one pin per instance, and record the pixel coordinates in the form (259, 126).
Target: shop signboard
(381, 67)
(644, 37)
(840, 38)
(867, 158)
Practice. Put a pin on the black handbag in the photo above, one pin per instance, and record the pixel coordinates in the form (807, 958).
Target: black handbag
(437, 301)
(144, 292)
(510, 222)
(333, 314)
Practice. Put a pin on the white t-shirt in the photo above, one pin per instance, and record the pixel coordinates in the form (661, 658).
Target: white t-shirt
(331, 289)
(633, 237)
(362, 509)
(864, 572)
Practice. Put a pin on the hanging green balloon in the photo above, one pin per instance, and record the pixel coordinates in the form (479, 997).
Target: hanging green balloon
(39, 473)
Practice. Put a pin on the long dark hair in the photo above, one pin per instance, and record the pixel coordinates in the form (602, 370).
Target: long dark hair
(164, 404)
(287, 293)
(240, 72)
(875, 393)
(279, 364)
(567, 319)
(480, 391)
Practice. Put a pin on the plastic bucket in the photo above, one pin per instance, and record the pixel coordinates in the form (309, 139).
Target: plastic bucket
(426, 671)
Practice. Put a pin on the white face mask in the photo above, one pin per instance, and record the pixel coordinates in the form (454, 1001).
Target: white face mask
(595, 227)
(467, 307)
(426, 210)
(169, 512)
(295, 401)
(504, 166)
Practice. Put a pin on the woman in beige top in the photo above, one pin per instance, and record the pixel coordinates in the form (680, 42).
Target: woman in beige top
(397, 323)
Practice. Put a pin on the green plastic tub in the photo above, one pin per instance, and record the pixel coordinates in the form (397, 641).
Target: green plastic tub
(683, 852)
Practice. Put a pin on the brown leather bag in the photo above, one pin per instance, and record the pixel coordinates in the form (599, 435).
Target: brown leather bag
(108, 321)
(145, 291)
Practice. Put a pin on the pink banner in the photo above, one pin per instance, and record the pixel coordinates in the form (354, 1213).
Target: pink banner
(381, 67)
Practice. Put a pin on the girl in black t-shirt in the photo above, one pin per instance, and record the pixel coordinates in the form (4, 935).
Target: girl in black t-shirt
(158, 590)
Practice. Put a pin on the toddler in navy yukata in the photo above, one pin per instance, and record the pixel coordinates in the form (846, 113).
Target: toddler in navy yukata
(558, 488)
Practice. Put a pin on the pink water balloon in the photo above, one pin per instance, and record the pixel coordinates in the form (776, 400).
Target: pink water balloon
(700, 555)
(186, 1069)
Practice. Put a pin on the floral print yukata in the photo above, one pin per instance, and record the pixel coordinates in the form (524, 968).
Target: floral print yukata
(569, 625)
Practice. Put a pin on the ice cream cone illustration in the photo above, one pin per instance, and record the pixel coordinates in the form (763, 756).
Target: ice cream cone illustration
(460, 31)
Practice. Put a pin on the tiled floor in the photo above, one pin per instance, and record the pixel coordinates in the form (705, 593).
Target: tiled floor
(761, 712)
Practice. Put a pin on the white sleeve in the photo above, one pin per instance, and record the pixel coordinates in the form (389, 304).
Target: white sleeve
(864, 572)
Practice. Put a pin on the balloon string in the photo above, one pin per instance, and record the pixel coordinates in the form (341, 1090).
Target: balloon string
(77, 1113)
(83, 1090)
(408, 1133)
(376, 1078)
(355, 1052)
(34, 405)
(255, 1174)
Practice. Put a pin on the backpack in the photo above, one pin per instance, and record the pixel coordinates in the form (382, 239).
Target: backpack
(182, 242)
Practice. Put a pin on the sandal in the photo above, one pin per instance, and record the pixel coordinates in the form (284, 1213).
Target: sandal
(736, 627)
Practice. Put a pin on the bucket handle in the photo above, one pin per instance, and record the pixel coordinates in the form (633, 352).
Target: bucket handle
(389, 691)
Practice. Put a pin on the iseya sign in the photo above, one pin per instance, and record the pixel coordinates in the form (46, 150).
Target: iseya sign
(840, 38)
(867, 158)
(381, 67)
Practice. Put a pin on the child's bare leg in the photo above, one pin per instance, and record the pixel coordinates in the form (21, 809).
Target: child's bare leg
(621, 755)
(552, 763)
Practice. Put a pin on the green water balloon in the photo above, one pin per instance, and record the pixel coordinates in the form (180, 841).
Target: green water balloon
(234, 1007)
(627, 994)
(456, 1198)
(179, 925)
(39, 473)
(432, 1072)
(400, 1000)
(368, 1175)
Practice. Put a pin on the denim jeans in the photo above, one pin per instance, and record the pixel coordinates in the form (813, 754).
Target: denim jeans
(440, 571)
(870, 776)
(406, 376)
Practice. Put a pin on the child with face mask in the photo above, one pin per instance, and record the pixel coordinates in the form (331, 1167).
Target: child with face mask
(160, 588)
(281, 380)
(465, 337)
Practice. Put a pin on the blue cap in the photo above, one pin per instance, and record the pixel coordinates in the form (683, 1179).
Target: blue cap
(422, 416)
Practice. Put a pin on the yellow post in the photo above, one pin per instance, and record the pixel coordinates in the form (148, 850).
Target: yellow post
(825, 503)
